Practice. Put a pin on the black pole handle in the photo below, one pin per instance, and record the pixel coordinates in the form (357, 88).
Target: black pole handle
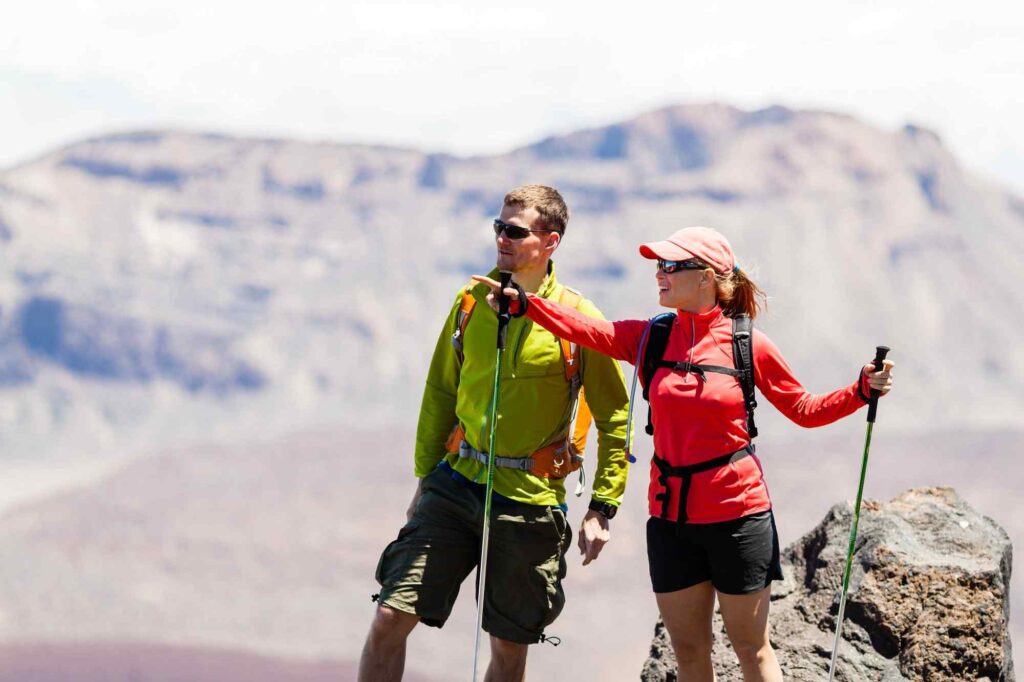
(503, 303)
(880, 353)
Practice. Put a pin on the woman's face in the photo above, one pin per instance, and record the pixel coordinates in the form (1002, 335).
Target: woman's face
(686, 289)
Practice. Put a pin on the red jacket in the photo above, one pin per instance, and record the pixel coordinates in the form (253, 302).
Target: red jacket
(700, 419)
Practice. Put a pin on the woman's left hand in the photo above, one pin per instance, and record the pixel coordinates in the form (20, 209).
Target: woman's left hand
(880, 381)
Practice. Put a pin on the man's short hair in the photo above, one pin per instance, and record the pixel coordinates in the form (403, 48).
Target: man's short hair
(549, 203)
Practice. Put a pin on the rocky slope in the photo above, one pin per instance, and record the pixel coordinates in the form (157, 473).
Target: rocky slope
(270, 548)
(929, 598)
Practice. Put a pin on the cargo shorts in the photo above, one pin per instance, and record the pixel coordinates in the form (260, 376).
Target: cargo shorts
(421, 571)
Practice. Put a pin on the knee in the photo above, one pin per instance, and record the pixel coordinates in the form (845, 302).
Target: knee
(752, 652)
(391, 625)
(508, 654)
(692, 649)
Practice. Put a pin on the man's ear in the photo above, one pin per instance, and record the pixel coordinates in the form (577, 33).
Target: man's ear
(554, 239)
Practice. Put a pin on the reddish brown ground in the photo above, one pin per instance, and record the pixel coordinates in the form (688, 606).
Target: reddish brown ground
(158, 663)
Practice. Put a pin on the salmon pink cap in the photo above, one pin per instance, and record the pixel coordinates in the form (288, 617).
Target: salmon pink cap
(694, 242)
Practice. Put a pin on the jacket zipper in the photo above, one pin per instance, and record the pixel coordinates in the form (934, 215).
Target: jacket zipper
(693, 343)
(517, 348)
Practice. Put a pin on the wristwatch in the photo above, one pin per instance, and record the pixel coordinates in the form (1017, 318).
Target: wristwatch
(604, 509)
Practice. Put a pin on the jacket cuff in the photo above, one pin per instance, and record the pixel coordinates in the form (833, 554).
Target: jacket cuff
(863, 387)
(519, 306)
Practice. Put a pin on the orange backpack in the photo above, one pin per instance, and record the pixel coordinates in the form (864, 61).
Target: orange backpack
(550, 460)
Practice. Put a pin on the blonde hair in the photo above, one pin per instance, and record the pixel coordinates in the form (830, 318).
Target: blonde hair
(549, 203)
(738, 295)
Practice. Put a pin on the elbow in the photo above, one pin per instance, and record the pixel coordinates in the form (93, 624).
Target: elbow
(803, 419)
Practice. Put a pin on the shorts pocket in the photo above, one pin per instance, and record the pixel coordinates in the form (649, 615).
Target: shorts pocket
(561, 525)
(396, 557)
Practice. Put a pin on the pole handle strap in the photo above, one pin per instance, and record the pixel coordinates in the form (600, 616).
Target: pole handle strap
(880, 353)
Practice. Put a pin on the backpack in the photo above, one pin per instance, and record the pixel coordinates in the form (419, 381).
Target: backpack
(571, 359)
(658, 331)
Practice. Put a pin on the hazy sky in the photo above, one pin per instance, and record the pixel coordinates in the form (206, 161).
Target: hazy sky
(469, 77)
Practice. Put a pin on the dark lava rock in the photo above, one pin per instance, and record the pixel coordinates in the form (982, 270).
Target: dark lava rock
(928, 600)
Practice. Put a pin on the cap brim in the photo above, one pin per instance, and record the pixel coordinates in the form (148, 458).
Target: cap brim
(665, 250)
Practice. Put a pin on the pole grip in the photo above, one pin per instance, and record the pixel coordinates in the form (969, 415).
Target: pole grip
(503, 304)
(880, 353)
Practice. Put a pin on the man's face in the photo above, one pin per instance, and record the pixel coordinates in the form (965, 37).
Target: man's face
(533, 251)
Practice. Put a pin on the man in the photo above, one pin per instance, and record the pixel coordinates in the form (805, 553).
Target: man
(421, 571)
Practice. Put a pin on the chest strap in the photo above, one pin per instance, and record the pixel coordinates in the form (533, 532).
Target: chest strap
(699, 370)
(666, 471)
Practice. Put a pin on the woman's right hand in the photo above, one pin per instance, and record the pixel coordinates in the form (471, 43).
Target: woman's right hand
(492, 300)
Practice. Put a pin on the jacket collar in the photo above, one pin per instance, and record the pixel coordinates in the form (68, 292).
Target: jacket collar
(700, 320)
(548, 286)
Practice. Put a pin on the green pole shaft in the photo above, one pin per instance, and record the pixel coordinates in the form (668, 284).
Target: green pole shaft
(880, 353)
(849, 554)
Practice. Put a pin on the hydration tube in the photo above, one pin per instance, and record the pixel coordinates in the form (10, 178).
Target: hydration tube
(632, 391)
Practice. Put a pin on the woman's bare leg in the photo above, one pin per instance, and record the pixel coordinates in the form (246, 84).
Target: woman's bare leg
(686, 614)
(746, 622)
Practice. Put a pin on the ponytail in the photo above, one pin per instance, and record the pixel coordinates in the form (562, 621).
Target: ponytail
(738, 295)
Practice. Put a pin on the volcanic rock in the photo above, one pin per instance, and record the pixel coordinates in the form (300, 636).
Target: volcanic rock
(928, 598)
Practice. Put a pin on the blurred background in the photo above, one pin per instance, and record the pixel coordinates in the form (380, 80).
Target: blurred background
(229, 234)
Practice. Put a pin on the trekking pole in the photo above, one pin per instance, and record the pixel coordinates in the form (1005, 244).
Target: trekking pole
(503, 319)
(880, 353)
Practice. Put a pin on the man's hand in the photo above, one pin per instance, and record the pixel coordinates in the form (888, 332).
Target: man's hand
(415, 499)
(594, 534)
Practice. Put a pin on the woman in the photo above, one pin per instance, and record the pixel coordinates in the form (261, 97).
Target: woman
(712, 534)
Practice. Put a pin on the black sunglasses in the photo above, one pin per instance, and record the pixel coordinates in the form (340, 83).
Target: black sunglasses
(670, 266)
(513, 231)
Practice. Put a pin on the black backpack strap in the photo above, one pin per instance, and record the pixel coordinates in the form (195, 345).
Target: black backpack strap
(743, 357)
(665, 496)
(657, 341)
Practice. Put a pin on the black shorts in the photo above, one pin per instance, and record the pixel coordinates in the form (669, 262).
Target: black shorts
(738, 557)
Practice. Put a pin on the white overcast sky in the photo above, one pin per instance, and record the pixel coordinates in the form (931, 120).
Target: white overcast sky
(469, 77)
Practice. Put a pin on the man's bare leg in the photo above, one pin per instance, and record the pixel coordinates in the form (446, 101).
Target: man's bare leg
(508, 661)
(383, 658)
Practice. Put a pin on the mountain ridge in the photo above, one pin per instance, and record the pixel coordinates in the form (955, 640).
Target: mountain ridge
(771, 112)
(151, 275)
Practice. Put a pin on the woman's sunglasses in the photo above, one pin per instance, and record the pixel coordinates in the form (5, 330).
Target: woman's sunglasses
(670, 266)
(514, 231)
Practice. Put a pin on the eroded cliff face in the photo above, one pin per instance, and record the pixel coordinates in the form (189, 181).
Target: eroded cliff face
(159, 285)
(929, 598)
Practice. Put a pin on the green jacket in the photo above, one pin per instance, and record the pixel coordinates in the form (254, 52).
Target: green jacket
(533, 407)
